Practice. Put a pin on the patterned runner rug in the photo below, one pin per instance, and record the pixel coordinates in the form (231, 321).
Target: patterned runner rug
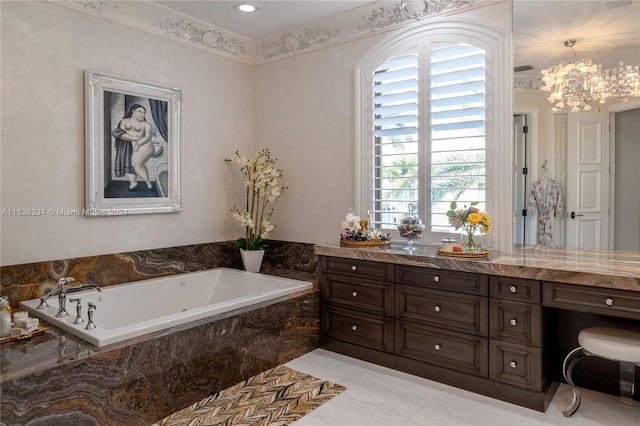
(276, 397)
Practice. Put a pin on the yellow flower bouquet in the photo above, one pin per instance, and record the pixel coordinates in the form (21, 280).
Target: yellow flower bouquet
(470, 219)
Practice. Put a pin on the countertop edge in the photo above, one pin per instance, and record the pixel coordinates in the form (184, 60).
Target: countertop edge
(594, 268)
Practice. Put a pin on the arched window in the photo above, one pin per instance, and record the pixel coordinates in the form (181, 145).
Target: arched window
(427, 98)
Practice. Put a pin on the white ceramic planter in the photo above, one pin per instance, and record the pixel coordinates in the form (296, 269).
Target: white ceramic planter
(252, 259)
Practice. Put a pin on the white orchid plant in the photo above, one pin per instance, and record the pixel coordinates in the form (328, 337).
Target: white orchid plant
(261, 182)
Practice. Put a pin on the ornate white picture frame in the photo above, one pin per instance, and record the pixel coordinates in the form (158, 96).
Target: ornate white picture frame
(133, 146)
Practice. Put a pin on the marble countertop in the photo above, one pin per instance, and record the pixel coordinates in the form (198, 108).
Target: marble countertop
(596, 268)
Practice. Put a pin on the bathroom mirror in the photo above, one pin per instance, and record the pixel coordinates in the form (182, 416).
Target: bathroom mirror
(606, 32)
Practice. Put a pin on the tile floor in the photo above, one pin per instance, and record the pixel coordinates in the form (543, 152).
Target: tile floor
(380, 396)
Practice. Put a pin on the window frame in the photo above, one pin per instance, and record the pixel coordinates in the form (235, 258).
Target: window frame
(418, 37)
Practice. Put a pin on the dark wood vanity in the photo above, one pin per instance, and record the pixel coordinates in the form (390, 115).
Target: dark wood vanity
(487, 326)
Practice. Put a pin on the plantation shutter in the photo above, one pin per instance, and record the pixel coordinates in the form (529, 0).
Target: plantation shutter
(457, 129)
(452, 151)
(395, 139)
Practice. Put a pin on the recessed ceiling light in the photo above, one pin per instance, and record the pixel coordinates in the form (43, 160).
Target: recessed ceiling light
(246, 7)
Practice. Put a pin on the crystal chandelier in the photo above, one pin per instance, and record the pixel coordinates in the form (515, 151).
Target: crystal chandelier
(576, 84)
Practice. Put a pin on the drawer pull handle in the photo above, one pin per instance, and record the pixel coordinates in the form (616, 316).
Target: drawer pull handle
(513, 364)
(437, 308)
(354, 294)
(513, 289)
(354, 267)
(608, 301)
(437, 346)
(513, 321)
(436, 279)
(354, 327)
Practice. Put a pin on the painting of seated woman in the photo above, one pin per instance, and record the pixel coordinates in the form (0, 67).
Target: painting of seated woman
(137, 146)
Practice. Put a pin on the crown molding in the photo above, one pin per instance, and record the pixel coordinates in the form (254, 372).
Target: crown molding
(400, 12)
(527, 83)
(154, 18)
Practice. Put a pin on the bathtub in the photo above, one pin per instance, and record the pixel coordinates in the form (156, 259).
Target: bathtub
(129, 310)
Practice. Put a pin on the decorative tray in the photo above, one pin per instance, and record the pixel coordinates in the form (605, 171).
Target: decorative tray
(41, 329)
(480, 254)
(368, 243)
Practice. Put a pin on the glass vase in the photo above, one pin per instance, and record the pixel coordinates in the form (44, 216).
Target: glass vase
(469, 244)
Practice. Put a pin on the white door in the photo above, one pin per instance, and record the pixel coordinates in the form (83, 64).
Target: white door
(587, 195)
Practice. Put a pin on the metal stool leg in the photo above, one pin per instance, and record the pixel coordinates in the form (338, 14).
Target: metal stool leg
(567, 368)
(627, 381)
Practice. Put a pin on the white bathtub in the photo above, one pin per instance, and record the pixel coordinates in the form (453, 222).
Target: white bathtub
(129, 310)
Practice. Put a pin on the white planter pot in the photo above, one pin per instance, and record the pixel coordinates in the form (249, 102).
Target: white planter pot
(252, 259)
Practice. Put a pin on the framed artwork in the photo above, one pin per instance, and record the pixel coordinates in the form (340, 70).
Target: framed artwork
(133, 144)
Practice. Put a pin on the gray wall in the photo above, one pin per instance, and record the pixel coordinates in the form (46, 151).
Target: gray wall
(627, 175)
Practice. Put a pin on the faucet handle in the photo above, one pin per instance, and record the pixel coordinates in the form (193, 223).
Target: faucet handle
(78, 319)
(90, 324)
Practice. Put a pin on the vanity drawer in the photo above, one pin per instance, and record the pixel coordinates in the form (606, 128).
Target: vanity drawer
(596, 300)
(515, 322)
(454, 311)
(357, 268)
(372, 296)
(514, 289)
(516, 365)
(448, 349)
(371, 331)
(464, 282)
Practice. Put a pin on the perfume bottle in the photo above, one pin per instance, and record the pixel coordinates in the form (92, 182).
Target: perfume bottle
(5, 317)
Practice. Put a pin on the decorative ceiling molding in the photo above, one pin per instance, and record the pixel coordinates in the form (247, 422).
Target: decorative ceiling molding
(405, 10)
(527, 83)
(155, 18)
(99, 6)
(293, 42)
(208, 37)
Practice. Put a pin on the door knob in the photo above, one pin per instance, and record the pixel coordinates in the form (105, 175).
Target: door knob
(573, 215)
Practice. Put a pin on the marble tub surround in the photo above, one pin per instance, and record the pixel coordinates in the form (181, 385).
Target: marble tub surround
(596, 268)
(32, 280)
(56, 378)
(289, 256)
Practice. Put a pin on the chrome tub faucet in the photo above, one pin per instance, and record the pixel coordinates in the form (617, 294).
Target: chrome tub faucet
(62, 289)
(62, 282)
